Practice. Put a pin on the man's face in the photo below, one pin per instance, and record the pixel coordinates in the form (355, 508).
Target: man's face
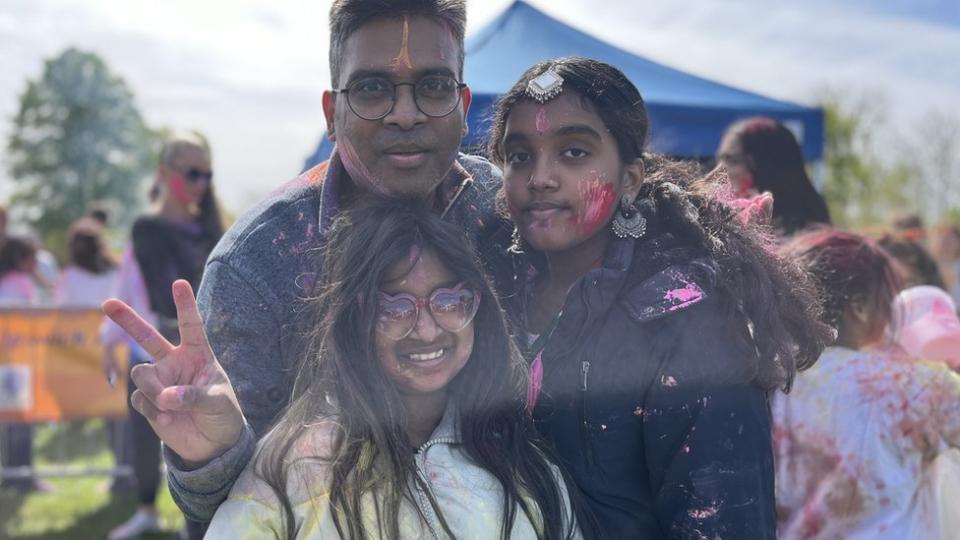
(406, 152)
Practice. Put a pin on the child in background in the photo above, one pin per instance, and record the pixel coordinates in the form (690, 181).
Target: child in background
(88, 279)
(18, 264)
(859, 431)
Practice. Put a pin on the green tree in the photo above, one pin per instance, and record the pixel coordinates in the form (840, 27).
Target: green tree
(861, 189)
(78, 139)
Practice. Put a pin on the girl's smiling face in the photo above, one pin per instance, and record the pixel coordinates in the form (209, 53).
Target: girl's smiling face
(563, 175)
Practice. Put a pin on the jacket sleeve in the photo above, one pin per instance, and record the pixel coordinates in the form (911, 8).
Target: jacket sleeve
(251, 513)
(707, 430)
(243, 334)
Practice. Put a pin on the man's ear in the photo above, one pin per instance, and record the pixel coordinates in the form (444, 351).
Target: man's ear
(467, 98)
(633, 175)
(329, 112)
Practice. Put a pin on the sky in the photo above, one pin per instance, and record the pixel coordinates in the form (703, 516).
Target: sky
(250, 73)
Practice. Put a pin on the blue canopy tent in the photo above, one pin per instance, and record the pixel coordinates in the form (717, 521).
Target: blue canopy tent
(688, 114)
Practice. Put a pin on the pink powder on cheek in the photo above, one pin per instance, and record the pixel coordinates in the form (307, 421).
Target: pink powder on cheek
(178, 188)
(596, 200)
(543, 123)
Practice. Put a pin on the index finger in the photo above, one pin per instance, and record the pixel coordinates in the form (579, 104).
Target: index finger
(188, 315)
(140, 330)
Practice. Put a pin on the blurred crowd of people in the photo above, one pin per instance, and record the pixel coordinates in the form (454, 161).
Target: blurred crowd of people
(170, 241)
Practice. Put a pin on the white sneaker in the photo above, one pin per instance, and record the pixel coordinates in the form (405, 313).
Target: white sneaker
(139, 523)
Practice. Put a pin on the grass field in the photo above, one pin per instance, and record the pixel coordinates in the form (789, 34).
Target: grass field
(77, 508)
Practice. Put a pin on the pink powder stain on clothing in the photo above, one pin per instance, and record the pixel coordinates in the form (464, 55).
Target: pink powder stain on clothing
(279, 238)
(536, 382)
(543, 122)
(596, 201)
(703, 513)
(301, 247)
(688, 294)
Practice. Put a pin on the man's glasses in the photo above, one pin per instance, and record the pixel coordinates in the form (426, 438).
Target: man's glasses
(372, 98)
(451, 308)
(195, 176)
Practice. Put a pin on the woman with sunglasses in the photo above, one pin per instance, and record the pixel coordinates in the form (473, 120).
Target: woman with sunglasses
(408, 416)
(170, 242)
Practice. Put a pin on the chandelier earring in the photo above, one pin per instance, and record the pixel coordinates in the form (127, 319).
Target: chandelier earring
(628, 222)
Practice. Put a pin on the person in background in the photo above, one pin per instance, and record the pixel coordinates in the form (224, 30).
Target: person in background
(88, 279)
(170, 242)
(100, 214)
(910, 227)
(854, 438)
(920, 268)
(760, 156)
(925, 325)
(86, 282)
(18, 264)
(946, 249)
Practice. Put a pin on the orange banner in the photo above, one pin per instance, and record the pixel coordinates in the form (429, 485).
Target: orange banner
(50, 367)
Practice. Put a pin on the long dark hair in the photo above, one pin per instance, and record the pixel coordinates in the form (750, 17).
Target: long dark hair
(341, 379)
(87, 248)
(775, 160)
(13, 251)
(776, 298)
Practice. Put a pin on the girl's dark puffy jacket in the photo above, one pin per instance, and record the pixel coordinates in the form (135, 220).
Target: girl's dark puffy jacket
(647, 396)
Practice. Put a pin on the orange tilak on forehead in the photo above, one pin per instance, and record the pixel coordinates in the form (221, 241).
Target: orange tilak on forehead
(404, 55)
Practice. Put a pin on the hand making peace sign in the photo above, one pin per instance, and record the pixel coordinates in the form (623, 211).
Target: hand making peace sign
(185, 393)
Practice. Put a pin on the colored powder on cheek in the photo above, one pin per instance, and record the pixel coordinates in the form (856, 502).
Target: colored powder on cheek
(596, 199)
(178, 188)
(543, 123)
(403, 57)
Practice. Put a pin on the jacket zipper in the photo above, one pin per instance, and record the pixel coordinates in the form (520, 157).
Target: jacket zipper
(424, 501)
(584, 425)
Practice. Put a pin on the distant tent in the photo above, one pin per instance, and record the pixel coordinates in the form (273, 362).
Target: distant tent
(688, 114)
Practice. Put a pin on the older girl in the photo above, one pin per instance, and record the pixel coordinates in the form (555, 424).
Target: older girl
(656, 317)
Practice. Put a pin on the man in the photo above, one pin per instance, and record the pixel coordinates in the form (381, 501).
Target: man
(397, 115)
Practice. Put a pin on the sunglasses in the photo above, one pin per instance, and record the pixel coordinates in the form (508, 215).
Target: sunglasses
(451, 308)
(195, 176)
